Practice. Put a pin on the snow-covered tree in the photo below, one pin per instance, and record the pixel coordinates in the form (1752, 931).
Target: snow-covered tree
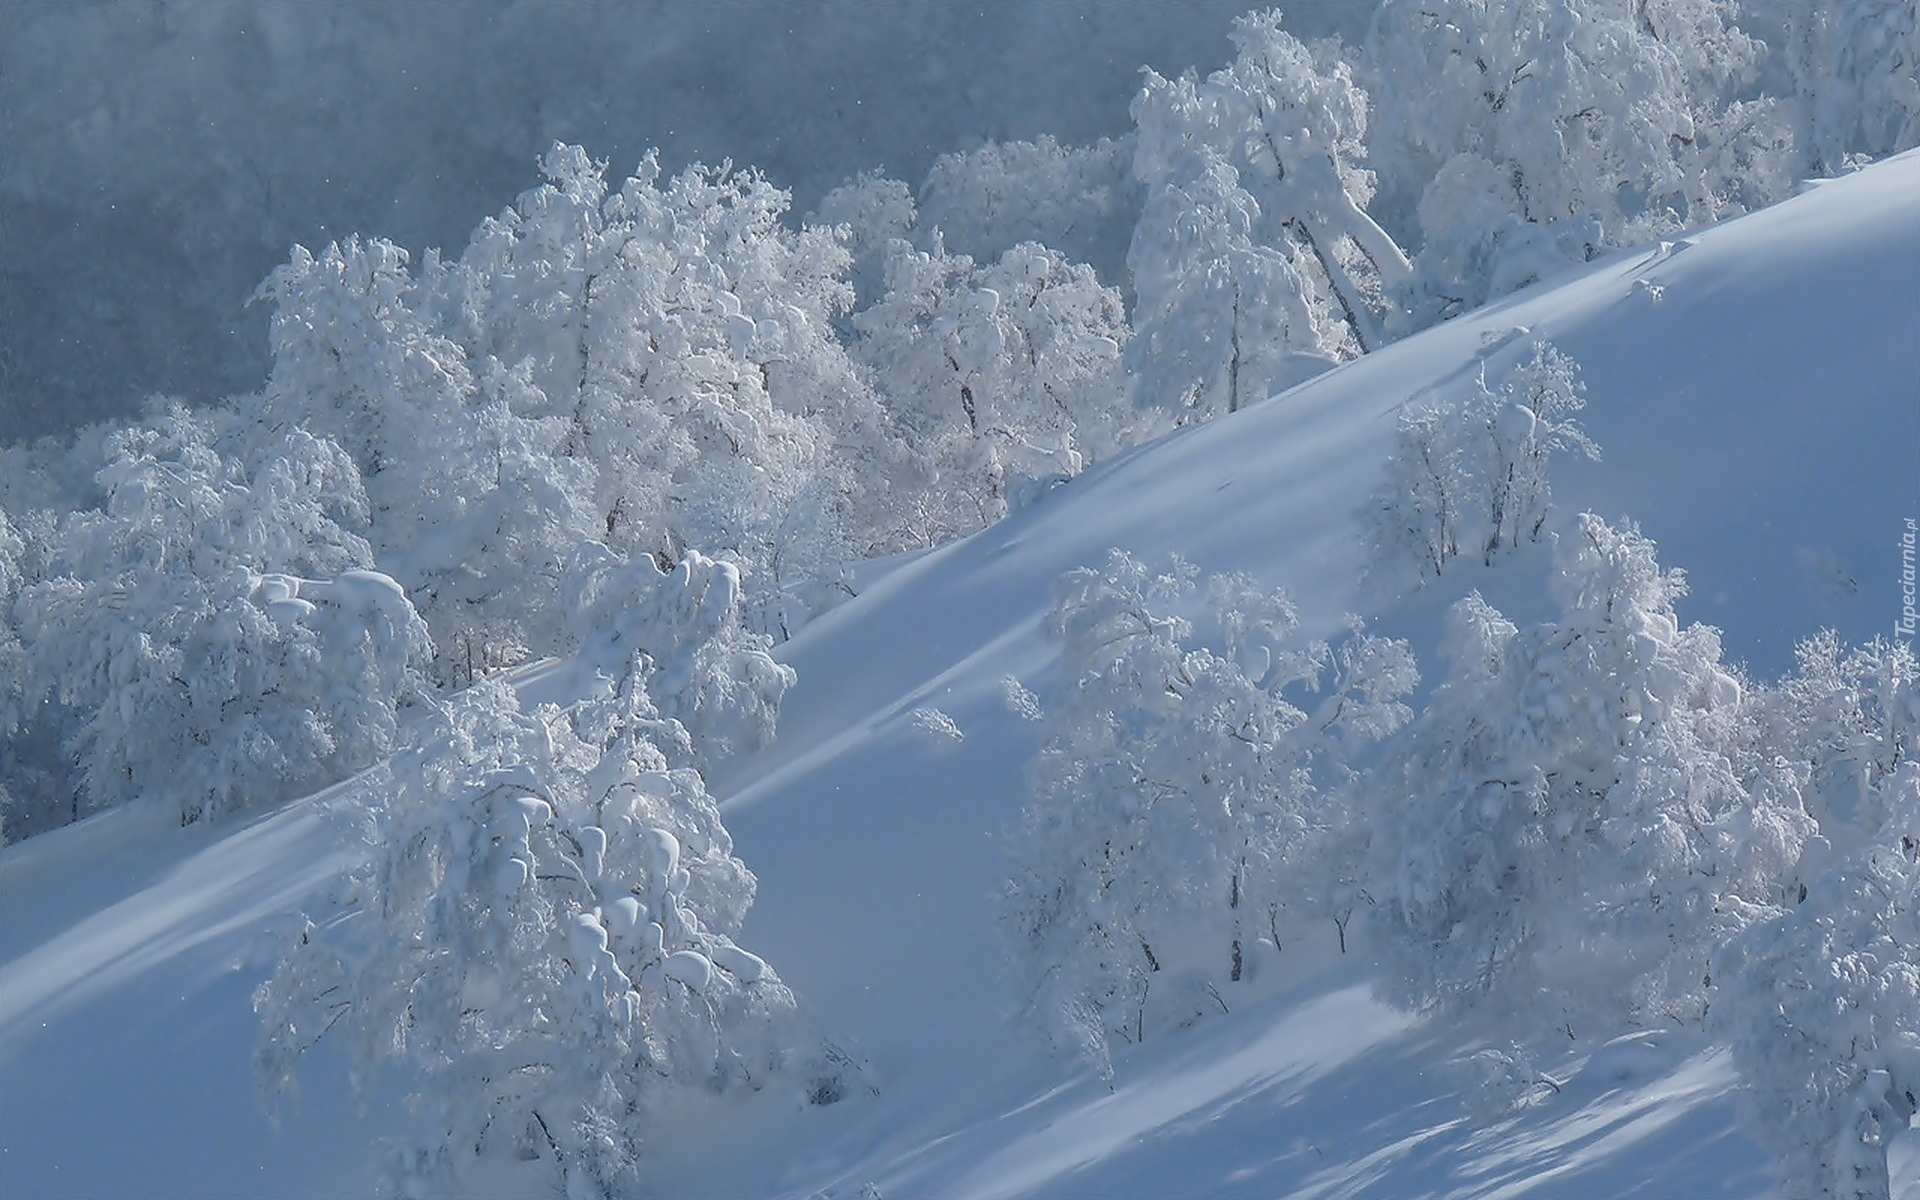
(39, 790)
(485, 557)
(867, 213)
(473, 507)
(1181, 794)
(1820, 1003)
(1852, 70)
(1222, 320)
(1001, 377)
(703, 667)
(687, 338)
(1530, 133)
(353, 359)
(214, 631)
(654, 366)
(1255, 243)
(1570, 828)
(986, 201)
(1851, 714)
(544, 932)
(1823, 1009)
(1469, 475)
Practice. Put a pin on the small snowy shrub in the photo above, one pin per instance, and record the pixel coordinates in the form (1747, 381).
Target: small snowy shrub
(1470, 475)
(1185, 787)
(935, 727)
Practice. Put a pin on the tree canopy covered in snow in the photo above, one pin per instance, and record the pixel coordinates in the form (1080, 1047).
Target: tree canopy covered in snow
(649, 425)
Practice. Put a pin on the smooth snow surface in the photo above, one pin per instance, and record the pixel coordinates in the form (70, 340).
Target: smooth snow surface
(1755, 390)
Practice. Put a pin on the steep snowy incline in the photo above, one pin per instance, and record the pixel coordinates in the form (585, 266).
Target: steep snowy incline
(1756, 392)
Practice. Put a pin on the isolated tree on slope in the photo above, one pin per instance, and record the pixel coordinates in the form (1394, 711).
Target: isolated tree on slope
(1181, 799)
(546, 932)
(1566, 833)
(1254, 182)
(203, 671)
(1469, 475)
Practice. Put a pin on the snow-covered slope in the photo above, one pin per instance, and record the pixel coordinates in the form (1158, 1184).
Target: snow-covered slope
(1756, 393)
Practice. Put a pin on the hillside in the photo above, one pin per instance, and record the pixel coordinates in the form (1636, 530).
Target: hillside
(1754, 392)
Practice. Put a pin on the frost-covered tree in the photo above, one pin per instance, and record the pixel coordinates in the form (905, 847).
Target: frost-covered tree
(654, 366)
(1821, 1002)
(1001, 377)
(1822, 1010)
(1184, 790)
(485, 550)
(1852, 71)
(1530, 133)
(1571, 827)
(867, 213)
(704, 668)
(352, 358)
(472, 505)
(38, 790)
(687, 337)
(544, 932)
(12, 548)
(1255, 242)
(984, 202)
(1851, 714)
(1223, 320)
(1469, 475)
(213, 630)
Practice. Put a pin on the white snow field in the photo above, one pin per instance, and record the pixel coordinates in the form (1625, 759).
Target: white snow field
(1755, 390)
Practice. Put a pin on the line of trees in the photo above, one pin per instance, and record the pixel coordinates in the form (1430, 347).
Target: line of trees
(669, 363)
(654, 420)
